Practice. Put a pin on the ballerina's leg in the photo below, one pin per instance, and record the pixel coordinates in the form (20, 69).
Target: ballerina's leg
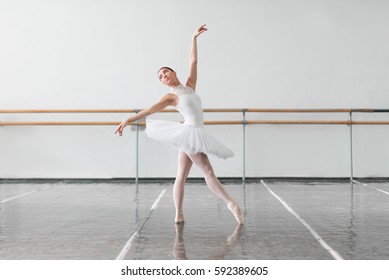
(184, 165)
(201, 160)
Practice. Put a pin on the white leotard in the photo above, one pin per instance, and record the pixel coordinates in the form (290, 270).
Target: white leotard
(189, 136)
(189, 105)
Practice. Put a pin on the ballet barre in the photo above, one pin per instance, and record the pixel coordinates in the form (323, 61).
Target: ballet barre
(349, 122)
(263, 122)
(231, 110)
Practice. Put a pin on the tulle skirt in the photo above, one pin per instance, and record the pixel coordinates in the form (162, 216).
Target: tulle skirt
(188, 138)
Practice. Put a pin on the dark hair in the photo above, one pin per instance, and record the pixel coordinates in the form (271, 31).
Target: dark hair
(164, 67)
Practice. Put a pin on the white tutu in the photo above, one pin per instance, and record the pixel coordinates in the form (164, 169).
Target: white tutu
(188, 138)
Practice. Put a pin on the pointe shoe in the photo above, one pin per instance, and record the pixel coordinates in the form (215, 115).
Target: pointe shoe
(235, 209)
(179, 217)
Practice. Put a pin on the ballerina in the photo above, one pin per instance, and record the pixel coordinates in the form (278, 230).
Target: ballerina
(194, 143)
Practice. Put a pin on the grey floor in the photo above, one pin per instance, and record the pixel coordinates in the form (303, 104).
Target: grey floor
(284, 221)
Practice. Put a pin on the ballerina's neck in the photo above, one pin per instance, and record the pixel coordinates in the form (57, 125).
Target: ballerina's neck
(172, 88)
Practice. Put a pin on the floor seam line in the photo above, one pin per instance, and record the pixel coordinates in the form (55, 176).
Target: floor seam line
(126, 248)
(324, 244)
(374, 188)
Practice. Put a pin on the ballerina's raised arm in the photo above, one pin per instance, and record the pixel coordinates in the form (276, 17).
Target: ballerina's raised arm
(192, 79)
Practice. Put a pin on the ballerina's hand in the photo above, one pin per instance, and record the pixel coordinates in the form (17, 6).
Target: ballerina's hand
(200, 30)
(121, 127)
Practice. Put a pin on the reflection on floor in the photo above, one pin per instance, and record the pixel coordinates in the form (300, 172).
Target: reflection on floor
(284, 220)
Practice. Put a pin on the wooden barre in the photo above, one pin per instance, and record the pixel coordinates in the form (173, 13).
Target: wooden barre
(39, 111)
(299, 110)
(263, 122)
(210, 110)
(58, 123)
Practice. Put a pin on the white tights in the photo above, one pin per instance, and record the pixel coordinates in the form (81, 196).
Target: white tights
(201, 160)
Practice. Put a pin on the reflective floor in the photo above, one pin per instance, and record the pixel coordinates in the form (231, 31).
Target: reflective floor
(284, 220)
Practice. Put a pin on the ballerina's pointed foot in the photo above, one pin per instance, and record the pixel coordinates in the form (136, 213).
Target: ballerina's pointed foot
(179, 217)
(235, 209)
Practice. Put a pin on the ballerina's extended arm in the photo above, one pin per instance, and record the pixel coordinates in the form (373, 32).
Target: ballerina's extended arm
(192, 79)
(169, 99)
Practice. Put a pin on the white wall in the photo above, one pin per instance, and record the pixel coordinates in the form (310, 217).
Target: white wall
(265, 54)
